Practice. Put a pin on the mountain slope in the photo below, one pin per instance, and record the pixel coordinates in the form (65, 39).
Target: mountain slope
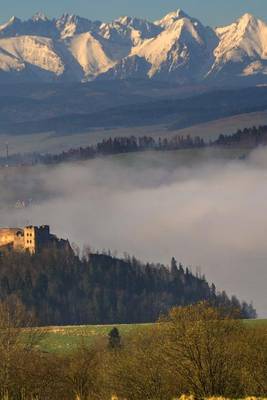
(70, 25)
(90, 54)
(242, 48)
(31, 50)
(176, 48)
(179, 50)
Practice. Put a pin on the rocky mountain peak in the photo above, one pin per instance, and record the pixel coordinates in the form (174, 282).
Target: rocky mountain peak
(39, 16)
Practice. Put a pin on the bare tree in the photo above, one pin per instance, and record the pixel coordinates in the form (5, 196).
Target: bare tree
(255, 367)
(137, 370)
(202, 350)
(81, 373)
(17, 343)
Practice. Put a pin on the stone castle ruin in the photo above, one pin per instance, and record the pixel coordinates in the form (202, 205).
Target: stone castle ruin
(30, 238)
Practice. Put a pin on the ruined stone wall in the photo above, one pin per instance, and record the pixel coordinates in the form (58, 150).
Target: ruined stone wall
(19, 239)
(9, 235)
(19, 243)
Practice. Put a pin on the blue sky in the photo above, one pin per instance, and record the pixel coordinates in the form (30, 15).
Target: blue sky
(210, 12)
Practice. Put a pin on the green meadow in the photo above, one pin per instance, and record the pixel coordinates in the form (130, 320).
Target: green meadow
(64, 339)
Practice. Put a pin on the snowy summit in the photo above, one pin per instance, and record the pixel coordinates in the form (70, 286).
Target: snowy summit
(176, 48)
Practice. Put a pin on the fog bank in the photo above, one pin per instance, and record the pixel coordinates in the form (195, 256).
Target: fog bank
(209, 214)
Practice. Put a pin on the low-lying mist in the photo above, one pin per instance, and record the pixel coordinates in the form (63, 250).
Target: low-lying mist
(210, 214)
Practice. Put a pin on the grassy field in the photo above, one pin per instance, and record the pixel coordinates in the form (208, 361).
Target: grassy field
(257, 322)
(67, 338)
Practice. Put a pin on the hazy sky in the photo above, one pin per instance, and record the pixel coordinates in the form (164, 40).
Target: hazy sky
(211, 12)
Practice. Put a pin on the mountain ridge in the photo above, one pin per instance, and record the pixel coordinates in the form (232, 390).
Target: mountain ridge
(175, 48)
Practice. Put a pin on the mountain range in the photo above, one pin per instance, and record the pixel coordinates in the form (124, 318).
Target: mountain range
(177, 48)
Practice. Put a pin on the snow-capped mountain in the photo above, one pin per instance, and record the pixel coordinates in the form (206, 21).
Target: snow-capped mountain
(170, 18)
(242, 48)
(38, 25)
(176, 48)
(70, 25)
(180, 51)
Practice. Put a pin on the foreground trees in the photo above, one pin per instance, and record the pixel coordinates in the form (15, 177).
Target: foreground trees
(138, 370)
(23, 369)
(195, 350)
(255, 373)
(80, 374)
(204, 349)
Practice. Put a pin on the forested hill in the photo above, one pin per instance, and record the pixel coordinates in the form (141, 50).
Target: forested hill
(61, 288)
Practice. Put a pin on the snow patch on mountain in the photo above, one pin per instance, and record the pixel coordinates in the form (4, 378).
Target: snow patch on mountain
(70, 25)
(129, 31)
(90, 54)
(39, 16)
(255, 68)
(170, 18)
(33, 50)
(132, 67)
(10, 63)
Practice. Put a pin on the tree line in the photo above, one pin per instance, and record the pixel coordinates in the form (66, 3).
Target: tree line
(248, 138)
(124, 144)
(62, 288)
(109, 146)
(197, 350)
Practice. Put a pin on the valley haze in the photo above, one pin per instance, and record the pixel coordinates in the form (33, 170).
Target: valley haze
(207, 211)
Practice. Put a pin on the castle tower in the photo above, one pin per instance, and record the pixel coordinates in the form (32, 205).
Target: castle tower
(30, 239)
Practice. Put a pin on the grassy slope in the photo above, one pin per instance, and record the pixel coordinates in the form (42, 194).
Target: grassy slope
(62, 339)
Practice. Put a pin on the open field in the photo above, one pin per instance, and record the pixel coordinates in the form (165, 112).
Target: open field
(67, 338)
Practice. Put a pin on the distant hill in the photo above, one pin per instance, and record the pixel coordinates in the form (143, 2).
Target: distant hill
(26, 103)
(78, 108)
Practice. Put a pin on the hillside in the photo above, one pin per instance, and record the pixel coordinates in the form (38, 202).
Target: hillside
(63, 289)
